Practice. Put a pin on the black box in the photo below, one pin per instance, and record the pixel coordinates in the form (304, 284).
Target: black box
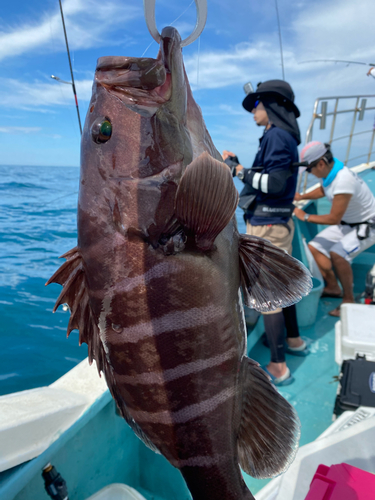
(357, 385)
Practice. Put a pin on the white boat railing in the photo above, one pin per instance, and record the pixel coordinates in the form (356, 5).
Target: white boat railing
(329, 107)
(357, 111)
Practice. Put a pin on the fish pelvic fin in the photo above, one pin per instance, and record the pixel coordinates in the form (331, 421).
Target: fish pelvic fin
(206, 199)
(130, 420)
(270, 277)
(269, 429)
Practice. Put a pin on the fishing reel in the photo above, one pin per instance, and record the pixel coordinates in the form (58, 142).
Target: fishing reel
(232, 162)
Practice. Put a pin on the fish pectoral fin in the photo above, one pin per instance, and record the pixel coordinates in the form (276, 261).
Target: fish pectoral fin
(269, 428)
(71, 276)
(206, 199)
(270, 278)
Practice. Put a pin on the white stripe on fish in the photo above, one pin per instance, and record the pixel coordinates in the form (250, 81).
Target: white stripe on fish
(185, 414)
(182, 370)
(160, 270)
(174, 321)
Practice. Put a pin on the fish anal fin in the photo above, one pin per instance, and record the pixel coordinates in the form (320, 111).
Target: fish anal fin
(269, 426)
(270, 277)
(206, 199)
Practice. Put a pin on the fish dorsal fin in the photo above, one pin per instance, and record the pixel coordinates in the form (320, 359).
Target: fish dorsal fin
(270, 278)
(269, 429)
(71, 276)
(206, 199)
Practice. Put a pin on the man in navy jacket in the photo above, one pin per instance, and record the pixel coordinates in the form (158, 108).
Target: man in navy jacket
(267, 198)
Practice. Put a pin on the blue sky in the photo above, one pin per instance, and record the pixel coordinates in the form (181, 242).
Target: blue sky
(240, 43)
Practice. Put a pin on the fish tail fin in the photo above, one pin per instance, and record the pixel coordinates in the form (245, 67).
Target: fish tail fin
(206, 199)
(269, 428)
(270, 277)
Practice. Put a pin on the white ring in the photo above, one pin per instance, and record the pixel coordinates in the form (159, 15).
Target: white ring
(149, 10)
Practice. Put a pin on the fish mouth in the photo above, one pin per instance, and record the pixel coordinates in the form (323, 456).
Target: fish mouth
(141, 81)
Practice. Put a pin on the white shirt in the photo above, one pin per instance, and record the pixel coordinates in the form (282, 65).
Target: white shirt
(361, 206)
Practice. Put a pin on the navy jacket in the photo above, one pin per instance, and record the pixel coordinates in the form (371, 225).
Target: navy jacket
(275, 183)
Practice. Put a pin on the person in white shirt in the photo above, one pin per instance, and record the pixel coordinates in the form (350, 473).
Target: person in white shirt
(351, 220)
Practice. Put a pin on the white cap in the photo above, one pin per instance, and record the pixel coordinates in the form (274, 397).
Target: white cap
(313, 151)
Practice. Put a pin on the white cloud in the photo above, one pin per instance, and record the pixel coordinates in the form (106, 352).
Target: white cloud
(340, 29)
(26, 95)
(19, 130)
(87, 22)
(231, 67)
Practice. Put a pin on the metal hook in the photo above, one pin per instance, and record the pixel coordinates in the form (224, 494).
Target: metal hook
(149, 9)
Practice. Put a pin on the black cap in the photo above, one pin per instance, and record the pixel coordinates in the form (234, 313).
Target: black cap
(272, 88)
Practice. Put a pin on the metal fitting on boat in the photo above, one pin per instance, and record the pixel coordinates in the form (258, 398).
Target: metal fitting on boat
(54, 484)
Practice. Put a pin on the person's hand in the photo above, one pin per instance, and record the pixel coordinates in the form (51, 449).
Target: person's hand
(238, 168)
(297, 197)
(300, 214)
(226, 154)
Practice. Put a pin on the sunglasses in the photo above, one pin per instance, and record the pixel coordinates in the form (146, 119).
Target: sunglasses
(256, 103)
(313, 165)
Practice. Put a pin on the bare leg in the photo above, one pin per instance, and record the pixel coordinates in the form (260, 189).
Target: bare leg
(325, 266)
(345, 275)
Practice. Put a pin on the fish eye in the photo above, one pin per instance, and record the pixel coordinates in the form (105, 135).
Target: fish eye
(101, 130)
(116, 328)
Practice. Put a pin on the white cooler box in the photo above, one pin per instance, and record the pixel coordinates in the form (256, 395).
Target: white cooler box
(349, 439)
(355, 332)
(117, 491)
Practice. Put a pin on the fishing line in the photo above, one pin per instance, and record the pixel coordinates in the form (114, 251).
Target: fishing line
(170, 24)
(59, 198)
(199, 48)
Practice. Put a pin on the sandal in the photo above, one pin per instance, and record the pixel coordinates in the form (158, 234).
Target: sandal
(302, 350)
(285, 379)
(335, 312)
(332, 295)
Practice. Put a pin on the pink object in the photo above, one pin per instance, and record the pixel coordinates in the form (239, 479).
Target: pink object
(341, 482)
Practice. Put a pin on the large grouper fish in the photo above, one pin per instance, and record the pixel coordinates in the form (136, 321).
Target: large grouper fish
(154, 282)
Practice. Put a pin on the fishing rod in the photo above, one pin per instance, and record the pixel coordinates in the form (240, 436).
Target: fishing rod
(71, 69)
(280, 42)
(336, 61)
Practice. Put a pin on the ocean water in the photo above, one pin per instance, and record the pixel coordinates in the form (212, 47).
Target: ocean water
(37, 225)
(38, 212)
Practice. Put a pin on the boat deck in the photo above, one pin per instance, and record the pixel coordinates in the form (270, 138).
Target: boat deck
(314, 389)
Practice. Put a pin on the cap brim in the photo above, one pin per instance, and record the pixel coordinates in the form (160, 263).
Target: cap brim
(249, 101)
